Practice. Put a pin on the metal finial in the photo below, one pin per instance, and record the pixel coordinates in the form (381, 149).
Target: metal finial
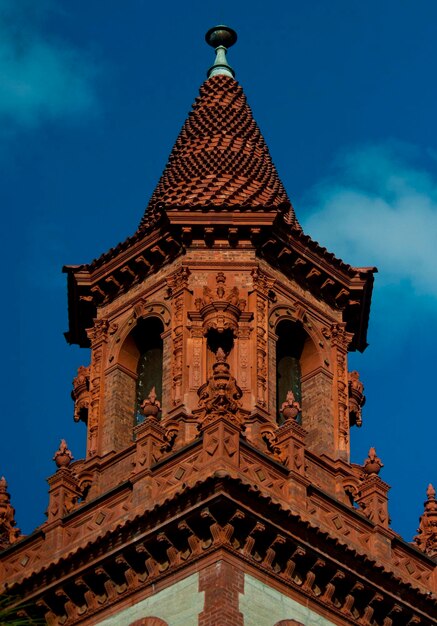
(221, 38)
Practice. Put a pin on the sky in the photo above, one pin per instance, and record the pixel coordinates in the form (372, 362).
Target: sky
(92, 98)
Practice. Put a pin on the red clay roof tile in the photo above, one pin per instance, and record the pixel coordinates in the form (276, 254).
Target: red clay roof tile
(220, 157)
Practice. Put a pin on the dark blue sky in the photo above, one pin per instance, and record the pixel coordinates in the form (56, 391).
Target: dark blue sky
(92, 98)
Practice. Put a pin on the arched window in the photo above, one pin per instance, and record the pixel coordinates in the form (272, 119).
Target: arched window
(289, 347)
(148, 341)
(137, 368)
(149, 621)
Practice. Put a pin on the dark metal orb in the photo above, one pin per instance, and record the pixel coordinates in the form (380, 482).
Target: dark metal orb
(221, 36)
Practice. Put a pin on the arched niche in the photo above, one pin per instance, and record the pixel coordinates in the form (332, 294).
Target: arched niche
(290, 345)
(215, 339)
(296, 360)
(296, 341)
(141, 356)
(137, 366)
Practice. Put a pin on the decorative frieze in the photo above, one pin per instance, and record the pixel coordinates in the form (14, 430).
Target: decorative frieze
(110, 576)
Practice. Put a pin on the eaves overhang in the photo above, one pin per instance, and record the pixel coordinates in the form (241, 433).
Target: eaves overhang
(173, 229)
(224, 513)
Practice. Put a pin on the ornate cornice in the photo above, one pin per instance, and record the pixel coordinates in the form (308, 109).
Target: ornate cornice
(221, 513)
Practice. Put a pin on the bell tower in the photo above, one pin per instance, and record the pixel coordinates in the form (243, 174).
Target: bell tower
(217, 487)
(219, 262)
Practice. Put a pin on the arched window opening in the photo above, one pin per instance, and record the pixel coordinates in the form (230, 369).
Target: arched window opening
(216, 340)
(149, 621)
(223, 340)
(289, 346)
(148, 341)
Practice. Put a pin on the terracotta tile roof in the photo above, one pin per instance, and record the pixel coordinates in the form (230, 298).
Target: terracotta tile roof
(220, 157)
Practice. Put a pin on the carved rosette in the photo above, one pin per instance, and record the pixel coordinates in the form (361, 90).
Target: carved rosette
(426, 539)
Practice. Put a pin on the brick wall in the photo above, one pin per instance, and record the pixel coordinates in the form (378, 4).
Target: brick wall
(317, 417)
(222, 584)
(118, 410)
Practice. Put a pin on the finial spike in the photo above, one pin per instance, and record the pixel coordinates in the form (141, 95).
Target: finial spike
(426, 539)
(221, 38)
(63, 456)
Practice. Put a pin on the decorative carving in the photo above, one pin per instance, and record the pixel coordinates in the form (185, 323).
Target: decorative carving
(290, 408)
(271, 441)
(338, 336)
(178, 316)
(129, 564)
(196, 362)
(170, 435)
(220, 395)
(145, 308)
(426, 539)
(357, 398)
(63, 456)
(178, 280)
(99, 332)
(263, 283)
(372, 495)
(373, 464)
(220, 310)
(9, 533)
(261, 351)
(151, 406)
(81, 394)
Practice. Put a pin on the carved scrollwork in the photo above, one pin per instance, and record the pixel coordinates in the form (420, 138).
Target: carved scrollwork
(220, 395)
(220, 308)
(99, 332)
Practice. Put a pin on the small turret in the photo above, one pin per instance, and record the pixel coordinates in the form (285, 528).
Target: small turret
(9, 533)
(426, 539)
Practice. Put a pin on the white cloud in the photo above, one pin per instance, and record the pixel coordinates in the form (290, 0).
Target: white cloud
(42, 77)
(379, 208)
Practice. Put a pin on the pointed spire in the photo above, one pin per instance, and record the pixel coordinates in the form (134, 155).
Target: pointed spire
(220, 158)
(9, 533)
(221, 38)
(426, 539)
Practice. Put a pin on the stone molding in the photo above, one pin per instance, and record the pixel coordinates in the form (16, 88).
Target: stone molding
(285, 548)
